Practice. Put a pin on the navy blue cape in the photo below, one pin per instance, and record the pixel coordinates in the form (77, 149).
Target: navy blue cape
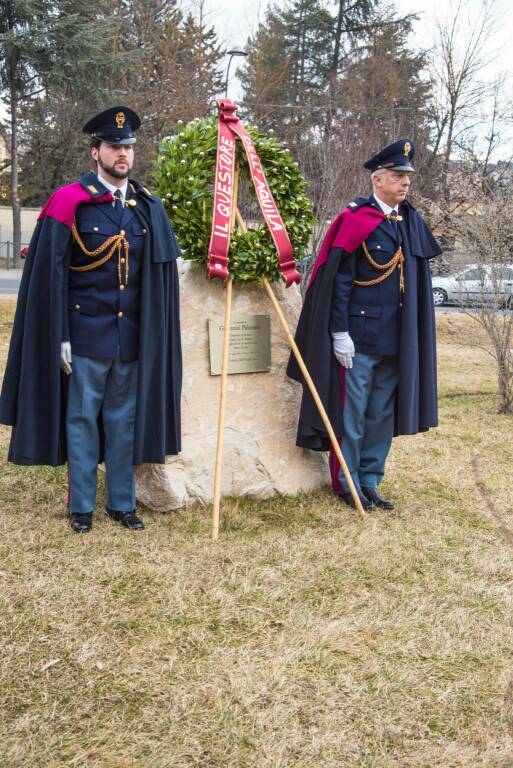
(416, 402)
(34, 388)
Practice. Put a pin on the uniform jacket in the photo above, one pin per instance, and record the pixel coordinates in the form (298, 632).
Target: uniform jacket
(416, 401)
(371, 313)
(94, 299)
(33, 391)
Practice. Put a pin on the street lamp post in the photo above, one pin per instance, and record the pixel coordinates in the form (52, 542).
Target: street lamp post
(231, 54)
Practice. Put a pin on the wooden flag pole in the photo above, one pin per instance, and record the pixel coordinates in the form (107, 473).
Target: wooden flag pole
(224, 377)
(311, 386)
(222, 407)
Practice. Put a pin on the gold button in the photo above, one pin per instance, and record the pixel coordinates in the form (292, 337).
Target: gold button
(362, 311)
(122, 261)
(144, 231)
(122, 232)
(121, 287)
(77, 306)
(120, 314)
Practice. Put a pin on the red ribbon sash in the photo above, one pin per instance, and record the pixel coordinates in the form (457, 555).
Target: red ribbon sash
(229, 128)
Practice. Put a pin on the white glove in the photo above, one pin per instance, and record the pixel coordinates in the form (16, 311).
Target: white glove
(343, 348)
(66, 357)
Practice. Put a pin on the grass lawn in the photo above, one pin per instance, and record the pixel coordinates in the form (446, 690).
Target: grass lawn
(303, 638)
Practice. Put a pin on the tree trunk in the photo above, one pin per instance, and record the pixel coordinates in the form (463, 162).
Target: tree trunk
(16, 211)
(333, 73)
(505, 383)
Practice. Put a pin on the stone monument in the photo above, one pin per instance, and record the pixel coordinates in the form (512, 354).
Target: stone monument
(260, 456)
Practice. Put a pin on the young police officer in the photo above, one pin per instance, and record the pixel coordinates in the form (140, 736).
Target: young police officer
(98, 299)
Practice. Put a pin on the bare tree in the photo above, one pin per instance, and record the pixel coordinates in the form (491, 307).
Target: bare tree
(457, 63)
(479, 152)
(335, 174)
(485, 233)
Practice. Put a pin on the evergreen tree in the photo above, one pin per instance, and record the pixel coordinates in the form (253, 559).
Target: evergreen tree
(66, 58)
(176, 77)
(384, 88)
(142, 53)
(294, 61)
(352, 20)
(78, 77)
(266, 77)
(287, 67)
(21, 51)
(385, 92)
(339, 86)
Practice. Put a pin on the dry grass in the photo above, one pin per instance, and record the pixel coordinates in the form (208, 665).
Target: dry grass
(301, 639)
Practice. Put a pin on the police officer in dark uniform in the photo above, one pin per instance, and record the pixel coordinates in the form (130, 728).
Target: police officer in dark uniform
(367, 329)
(368, 296)
(99, 297)
(100, 329)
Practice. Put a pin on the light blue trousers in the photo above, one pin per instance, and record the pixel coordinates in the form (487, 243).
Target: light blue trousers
(368, 427)
(110, 385)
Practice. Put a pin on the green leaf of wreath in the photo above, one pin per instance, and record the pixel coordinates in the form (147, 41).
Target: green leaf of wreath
(184, 175)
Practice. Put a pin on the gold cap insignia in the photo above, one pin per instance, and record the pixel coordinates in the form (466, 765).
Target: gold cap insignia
(407, 149)
(120, 119)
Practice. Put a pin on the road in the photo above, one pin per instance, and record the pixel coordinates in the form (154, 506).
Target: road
(10, 281)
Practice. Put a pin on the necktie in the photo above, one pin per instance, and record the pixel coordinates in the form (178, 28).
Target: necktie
(393, 219)
(118, 205)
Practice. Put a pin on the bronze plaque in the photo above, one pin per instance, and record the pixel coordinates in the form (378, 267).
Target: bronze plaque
(250, 344)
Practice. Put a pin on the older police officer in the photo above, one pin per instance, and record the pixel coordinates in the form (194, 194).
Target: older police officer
(369, 308)
(100, 293)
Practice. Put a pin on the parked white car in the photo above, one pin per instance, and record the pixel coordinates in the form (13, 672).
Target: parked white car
(475, 284)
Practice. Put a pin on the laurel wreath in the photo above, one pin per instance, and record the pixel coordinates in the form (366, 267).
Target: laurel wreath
(184, 175)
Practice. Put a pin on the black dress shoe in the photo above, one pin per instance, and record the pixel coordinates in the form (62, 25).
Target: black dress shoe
(373, 495)
(81, 522)
(128, 519)
(347, 497)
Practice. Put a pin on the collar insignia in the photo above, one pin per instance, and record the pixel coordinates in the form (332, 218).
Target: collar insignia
(92, 189)
(120, 119)
(131, 202)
